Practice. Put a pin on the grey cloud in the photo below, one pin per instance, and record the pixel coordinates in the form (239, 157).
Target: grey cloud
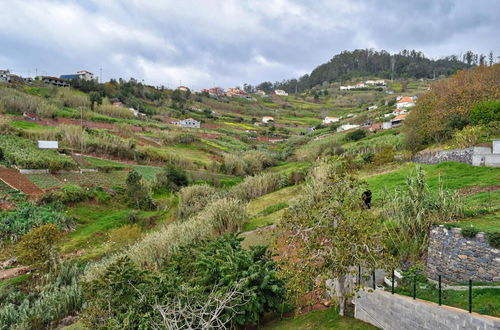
(230, 42)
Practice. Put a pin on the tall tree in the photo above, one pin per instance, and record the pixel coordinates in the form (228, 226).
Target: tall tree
(328, 234)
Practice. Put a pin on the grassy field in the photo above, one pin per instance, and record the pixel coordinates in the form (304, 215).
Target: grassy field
(452, 175)
(44, 181)
(318, 320)
(268, 209)
(484, 301)
(486, 223)
(94, 223)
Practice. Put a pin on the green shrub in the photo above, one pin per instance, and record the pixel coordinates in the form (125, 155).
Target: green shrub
(355, 135)
(494, 239)
(68, 194)
(469, 232)
(55, 296)
(24, 154)
(16, 223)
(37, 248)
(138, 192)
(171, 178)
(414, 208)
(126, 296)
(485, 112)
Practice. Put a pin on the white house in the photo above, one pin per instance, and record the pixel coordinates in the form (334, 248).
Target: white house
(349, 87)
(280, 92)
(86, 75)
(378, 82)
(267, 119)
(329, 120)
(346, 127)
(188, 123)
(405, 102)
(372, 107)
(386, 125)
(260, 92)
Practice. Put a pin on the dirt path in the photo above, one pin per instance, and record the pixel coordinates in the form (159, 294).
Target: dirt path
(5, 274)
(16, 180)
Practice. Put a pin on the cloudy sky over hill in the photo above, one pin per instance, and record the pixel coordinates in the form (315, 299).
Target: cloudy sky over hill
(203, 43)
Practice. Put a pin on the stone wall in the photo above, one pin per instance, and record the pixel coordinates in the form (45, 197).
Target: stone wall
(459, 258)
(436, 157)
(392, 311)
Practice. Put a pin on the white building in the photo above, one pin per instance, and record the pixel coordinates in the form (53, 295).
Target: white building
(349, 87)
(280, 92)
(373, 107)
(86, 75)
(405, 102)
(4, 75)
(267, 119)
(260, 92)
(378, 82)
(188, 123)
(346, 127)
(386, 125)
(329, 120)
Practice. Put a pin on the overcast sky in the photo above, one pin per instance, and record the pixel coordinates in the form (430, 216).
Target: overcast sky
(213, 42)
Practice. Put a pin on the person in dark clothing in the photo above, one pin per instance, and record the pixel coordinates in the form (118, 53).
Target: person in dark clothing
(367, 198)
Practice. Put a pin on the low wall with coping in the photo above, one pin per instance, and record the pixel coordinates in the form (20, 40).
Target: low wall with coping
(395, 312)
(458, 258)
(436, 157)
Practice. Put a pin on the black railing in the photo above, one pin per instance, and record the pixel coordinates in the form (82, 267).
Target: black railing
(414, 283)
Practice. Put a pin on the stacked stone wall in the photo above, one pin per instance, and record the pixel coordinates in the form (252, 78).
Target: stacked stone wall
(436, 157)
(458, 258)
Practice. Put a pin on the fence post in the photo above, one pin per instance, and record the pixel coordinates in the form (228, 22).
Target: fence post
(392, 287)
(439, 290)
(373, 277)
(414, 287)
(470, 296)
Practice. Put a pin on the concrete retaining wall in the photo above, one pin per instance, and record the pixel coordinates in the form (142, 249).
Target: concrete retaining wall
(459, 258)
(388, 311)
(436, 157)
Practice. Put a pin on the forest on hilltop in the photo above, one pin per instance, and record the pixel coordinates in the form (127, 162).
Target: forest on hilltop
(382, 64)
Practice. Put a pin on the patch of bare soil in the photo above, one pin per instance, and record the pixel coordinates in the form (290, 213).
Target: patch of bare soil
(477, 189)
(5, 274)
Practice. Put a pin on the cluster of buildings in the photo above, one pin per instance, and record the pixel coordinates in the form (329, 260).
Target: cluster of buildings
(378, 82)
(234, 92)
(62, 81)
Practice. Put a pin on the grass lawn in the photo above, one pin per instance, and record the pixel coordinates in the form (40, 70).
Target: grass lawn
(484, 301)
(486, 223)
(452, 175)
(21, 124)
(103, 162)
(94, 223)
(318, 320)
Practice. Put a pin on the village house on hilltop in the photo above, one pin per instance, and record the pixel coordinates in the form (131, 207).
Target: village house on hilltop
(188, 123)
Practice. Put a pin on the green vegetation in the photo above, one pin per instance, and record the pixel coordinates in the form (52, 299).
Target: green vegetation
(23, 153)
(320, 320)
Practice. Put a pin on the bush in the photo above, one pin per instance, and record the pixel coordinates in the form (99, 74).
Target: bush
(494, 239)
(384, 156)
(72, 99)
(469, 232)
(67, 195)
(56, 295)
(233, 165)
(258, 185)
(485, 112)
(193, 199)
(15, 224)
(126, 296)
(469, 136)
(171, 178)
(414, 208)
(355, 135)
(37, 248)
(138, 192)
